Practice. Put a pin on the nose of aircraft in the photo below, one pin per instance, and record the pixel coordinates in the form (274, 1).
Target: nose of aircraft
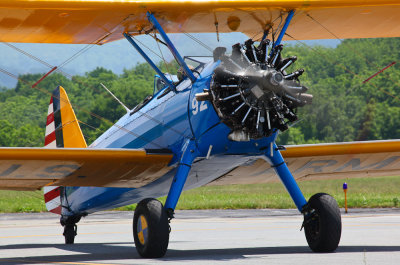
(252, 92)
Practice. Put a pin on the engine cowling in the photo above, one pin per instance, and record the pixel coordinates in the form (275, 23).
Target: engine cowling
(252, 93)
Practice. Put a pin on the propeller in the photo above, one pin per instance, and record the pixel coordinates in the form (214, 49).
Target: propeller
(252, 92)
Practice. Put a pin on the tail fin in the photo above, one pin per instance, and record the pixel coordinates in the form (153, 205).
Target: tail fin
(62, 126)
(62, 130)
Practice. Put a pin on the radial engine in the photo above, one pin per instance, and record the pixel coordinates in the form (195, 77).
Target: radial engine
(251, 91)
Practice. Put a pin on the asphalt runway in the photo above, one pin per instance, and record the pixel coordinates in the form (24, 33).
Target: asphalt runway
(201, 237)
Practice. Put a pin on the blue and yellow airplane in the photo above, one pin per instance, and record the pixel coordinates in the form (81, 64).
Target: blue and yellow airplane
(194, 130)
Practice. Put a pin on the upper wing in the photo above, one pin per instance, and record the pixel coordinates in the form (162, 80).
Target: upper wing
(323, 161)
(100, 21)
(33, 168)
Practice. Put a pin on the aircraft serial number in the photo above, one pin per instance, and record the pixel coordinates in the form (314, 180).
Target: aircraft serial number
(196, 108)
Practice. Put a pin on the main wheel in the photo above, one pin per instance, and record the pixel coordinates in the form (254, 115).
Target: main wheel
(151, 229)
(323, 224)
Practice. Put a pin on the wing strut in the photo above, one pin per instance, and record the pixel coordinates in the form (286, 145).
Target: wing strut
(284, 28)
(171, 47)
(149, 61)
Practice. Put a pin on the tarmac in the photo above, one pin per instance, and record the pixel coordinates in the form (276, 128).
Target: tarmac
(369, 236)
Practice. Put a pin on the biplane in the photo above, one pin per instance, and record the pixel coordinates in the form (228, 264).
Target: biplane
(201, 126)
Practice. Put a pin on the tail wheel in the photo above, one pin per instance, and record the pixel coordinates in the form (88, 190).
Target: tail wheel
(322, 223)
(70, 231)
(151, 229)
(70, 227)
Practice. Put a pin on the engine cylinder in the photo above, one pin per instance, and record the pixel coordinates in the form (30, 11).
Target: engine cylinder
(252, 93)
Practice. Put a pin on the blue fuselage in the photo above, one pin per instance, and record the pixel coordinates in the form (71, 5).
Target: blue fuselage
(165, 123)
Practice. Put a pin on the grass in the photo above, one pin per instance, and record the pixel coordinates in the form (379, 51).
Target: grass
(362, 193)
(21, 201)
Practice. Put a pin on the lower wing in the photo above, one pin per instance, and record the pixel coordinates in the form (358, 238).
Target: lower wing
(325, 161)
(34, 168)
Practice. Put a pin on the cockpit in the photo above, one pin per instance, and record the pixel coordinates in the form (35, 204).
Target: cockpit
(159, 83)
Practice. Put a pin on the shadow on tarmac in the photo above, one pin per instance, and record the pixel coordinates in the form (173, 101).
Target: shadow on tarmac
(120, 251)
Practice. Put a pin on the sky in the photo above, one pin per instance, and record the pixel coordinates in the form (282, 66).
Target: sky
(116, 56)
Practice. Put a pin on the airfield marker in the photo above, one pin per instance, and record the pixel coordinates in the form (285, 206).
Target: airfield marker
(345, 196)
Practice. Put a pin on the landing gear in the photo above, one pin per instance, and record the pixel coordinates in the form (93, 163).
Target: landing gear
(70, 231)
(322, 223)
(70, 228)
(151, 229)
(151, 219)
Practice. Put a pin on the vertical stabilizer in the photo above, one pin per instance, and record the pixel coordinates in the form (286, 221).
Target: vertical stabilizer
(62, 126)
(62, 130)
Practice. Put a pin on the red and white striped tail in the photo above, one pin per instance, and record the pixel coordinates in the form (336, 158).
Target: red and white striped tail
(62, 130)
(52, 199)
(50, 136)
(51, 193)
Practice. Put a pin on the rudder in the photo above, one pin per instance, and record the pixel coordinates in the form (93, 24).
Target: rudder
(62, 131)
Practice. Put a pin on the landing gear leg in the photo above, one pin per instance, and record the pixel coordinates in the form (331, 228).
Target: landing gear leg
(151, 219)
(70, 228)
(322, 222)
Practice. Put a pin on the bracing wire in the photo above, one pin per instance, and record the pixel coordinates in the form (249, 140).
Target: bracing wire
(162, 56)
(354, 50)
(76, 55)
(197, 40)
(27, 54)
(84, 110)
(318, 110)
(344, 68)
(271, 25)
(148, 48)
(63, 72)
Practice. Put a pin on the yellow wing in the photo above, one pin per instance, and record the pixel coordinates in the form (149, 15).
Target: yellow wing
(100, 21)
(33, 168)
(325, 161)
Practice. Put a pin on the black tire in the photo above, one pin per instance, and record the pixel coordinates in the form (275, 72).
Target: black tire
(324, 226)
(153, 242)
(69, 234)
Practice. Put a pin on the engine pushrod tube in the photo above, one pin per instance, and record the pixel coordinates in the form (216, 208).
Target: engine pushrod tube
(232, 96)
(149, 61)
(280, 167)
(286, 65)
(171, 47)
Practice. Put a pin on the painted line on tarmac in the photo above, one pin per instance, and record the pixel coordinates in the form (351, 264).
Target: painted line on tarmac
(210, 229)
(49, 235)
(57, 224)
(179, 230)
(55, 262)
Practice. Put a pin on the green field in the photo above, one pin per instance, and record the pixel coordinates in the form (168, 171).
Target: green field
(371, 192)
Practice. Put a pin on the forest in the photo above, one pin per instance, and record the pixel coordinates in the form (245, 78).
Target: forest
(344, 107)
